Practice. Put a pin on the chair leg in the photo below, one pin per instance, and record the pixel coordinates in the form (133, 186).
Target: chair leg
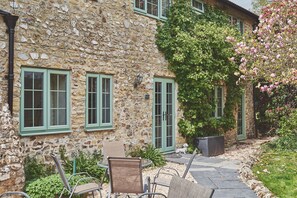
(62, 193)
(154, 187)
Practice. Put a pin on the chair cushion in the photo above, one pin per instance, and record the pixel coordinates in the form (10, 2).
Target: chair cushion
(81, 189)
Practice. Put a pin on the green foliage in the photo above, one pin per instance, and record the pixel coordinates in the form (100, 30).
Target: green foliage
(288, 125)
(50, 186)
(35, 170)
(287, 133)
(149, 152)
(196, 49)
(85, 162)
(277, 170)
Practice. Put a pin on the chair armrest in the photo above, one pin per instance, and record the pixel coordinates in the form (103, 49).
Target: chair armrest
(166, 171)
(80, 173)
(152, 193)
(14, 193)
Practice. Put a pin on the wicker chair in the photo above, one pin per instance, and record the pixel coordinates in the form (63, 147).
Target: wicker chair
(77, 189)
(180, 187)
(126, 176)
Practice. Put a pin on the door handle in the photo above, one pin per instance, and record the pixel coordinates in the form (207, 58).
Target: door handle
(164, 115)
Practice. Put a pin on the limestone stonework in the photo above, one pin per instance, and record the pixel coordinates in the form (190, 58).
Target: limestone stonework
(84, 36)
(11, 154)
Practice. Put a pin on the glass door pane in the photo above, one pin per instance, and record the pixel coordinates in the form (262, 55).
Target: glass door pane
(163, 123)
(158, 115)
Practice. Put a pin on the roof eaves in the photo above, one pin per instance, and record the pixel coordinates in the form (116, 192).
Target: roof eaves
(240, 8)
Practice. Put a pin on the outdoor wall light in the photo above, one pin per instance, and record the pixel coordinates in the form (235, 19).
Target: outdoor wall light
(138, 80)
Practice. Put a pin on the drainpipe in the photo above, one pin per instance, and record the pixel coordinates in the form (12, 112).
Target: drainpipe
(10, 21)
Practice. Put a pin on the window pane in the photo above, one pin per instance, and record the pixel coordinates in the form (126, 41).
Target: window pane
(54, 81)
(106, 85)
(92, 116)
(28, 99)
(165, 7)
(62, 117)
(38, 80)
(33, 99)
(92, 84)
(38, 99)
(152, 7)
(106, 97)
(197, 4)
(92, 100)
(62, 99)
(28, 118)
(140, 4)
(62, 82)
(38, 118)
(28, 80)
(54, 99)
(219, 102)
(54, 117)
(106, 116)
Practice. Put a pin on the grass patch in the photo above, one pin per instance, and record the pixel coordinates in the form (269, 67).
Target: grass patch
(278, 171)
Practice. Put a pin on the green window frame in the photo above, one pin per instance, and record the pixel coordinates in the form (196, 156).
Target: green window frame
(198, 5)
(45, 101)
(218, 96)
(99, 105)
(153, 8)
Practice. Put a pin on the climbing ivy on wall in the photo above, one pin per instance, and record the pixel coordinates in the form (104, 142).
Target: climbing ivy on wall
(196, 49)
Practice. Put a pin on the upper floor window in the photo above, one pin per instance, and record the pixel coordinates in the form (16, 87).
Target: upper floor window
(237, 23)
(155, 8)
(218, 97)
(198, 5)
(45, 101)
(98, 101)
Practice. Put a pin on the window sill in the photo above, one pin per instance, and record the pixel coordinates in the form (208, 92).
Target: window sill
(35, 133)
(98, 129)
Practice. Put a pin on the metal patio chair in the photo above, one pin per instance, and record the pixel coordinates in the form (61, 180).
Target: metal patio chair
(14, 193)
(180, 187)
(113, 149)
(77, 189)
(126, 176)
(161, 178)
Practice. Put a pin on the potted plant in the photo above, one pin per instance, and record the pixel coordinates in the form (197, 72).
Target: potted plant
(211, 140)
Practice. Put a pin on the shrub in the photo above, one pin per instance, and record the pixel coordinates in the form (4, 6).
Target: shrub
(149, 152)
(85, 162)
(35, 170)
(287, 133)
(50, 186)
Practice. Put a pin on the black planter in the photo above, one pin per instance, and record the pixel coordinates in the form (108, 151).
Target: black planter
(211, 145)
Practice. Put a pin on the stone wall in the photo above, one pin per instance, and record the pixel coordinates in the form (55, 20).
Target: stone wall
(11, 154)
(82, 36)
(104, 37)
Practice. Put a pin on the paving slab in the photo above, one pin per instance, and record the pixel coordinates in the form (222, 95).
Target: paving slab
(217, 173)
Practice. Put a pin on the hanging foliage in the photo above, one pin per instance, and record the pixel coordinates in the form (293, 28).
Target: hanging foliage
(196, 49)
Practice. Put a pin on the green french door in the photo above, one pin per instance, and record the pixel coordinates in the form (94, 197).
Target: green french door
(241, 132)
(163, 115)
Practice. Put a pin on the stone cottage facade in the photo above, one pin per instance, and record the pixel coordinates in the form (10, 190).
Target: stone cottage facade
(89, 70)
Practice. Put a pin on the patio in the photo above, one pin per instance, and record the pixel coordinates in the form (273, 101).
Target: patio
(222, 173)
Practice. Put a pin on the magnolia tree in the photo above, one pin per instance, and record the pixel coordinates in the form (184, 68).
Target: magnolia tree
(269, 53)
